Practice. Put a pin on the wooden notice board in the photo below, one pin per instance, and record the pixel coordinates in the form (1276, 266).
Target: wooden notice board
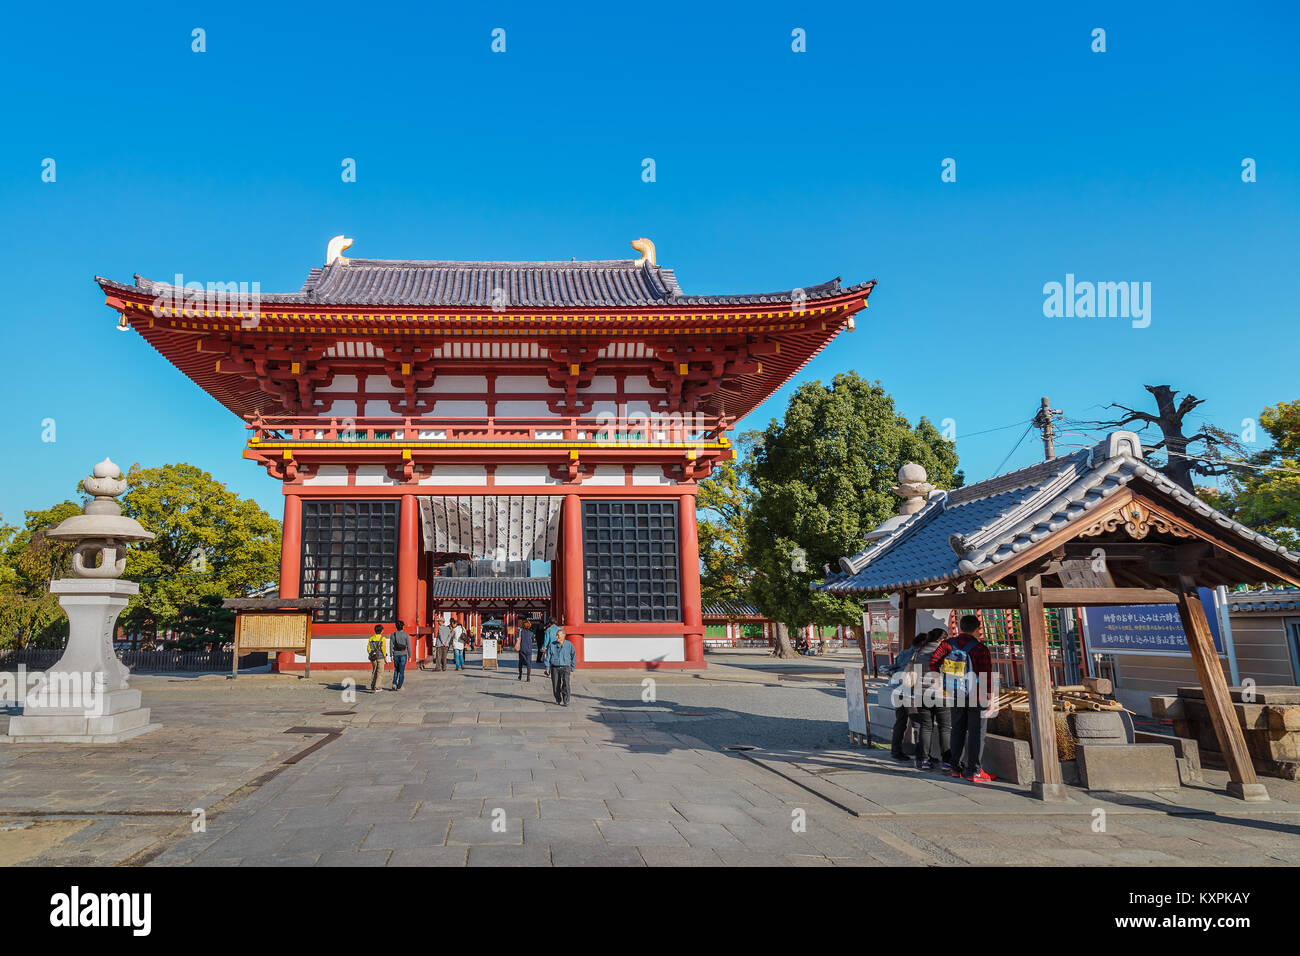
(489, 652)
(273, 632)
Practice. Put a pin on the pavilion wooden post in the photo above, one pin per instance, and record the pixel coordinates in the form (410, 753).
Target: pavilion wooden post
(906, 623)
(1048, 784)
(1232, 741)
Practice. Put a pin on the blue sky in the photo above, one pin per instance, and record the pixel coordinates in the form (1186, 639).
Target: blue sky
(774, 169)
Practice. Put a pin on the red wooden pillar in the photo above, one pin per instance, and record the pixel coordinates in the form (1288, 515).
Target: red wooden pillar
(408, 565)
(423, 615)
(291, 548)
(690, 567)
(573, 589)
(290, 562)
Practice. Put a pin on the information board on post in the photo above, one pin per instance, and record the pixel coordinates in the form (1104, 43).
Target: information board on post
(489, 652)
(1145, 628)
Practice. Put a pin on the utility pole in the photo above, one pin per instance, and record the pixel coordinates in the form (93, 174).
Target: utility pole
(1044, 422)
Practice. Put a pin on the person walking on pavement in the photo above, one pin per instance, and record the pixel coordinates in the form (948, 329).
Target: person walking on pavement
(541, 642)
(967, 670)
(525, 650)
(458, 648)
(561, 659)
(375, 651)
(442, 640)
(548, 638)
(401, 645)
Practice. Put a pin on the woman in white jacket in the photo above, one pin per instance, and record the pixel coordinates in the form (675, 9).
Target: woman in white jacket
(458, 647)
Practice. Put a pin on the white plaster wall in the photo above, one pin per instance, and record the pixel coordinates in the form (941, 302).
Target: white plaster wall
(373, 475)
(336, 650)
(631, 647)
(606, 475)
(460, 409)
(521, 383)
(524, 475)
(650, 475)
(443, 384)
(518, 409)
(601, 383)
(456, 475)
(329, 475)
(341, 383)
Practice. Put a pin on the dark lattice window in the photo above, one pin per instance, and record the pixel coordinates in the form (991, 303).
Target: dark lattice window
(630, 561)
(349, 557)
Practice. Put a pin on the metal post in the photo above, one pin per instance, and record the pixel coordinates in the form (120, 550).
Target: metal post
(1225, 628)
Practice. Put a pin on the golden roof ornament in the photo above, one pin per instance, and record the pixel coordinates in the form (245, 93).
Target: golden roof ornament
(647, 250)
(334, 251)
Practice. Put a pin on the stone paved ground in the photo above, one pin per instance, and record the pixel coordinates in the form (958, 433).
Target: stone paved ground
(475, 768)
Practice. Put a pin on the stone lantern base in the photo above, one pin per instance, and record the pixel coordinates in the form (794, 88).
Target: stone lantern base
(84, 698)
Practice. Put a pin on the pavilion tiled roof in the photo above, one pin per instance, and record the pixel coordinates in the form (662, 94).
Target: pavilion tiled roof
(961, 533)
(397, 283)
(446, 588)
(731, 609)
(1278, 599)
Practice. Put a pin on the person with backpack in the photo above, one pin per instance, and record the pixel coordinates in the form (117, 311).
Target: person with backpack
(525, 650)
(401, 645)
(458, 647)
(935, 716)
(967, 673)
(376, 653)
(902, 699)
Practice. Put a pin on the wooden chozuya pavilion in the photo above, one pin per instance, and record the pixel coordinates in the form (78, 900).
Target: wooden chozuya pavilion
(1094, 528)
(422, 412)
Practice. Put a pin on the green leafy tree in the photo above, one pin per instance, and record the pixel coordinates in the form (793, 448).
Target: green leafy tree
(208, 542)
(722, 507)
(1266, 495)
(205, 624)
(30, 615)
(821, 481)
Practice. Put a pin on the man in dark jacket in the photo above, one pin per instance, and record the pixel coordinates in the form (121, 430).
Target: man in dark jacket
(400, 643)
(525, 649)
(967, 672)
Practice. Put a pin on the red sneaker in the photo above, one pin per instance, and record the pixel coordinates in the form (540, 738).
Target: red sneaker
(982, 777)
(956, 774)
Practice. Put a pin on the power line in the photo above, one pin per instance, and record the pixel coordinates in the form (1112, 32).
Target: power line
(1000, 428)
(997, 471)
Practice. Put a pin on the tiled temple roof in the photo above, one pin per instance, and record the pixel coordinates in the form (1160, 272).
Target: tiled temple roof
(614, 283)
(961, 533)
(731, 609)
(1278, 599)
(446, 588)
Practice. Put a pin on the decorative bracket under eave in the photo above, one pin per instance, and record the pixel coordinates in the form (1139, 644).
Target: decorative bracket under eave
(1138, 519)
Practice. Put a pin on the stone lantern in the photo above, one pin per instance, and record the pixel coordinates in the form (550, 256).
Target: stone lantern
(84, 697)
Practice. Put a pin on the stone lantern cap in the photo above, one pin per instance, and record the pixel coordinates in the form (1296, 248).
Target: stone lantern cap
(102, 517)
